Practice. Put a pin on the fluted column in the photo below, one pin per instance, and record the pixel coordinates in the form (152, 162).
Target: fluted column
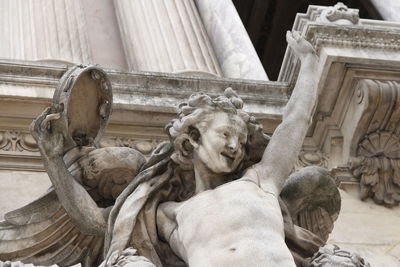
(232, 45)
(43, 30)
(165, 36)
(389, 9)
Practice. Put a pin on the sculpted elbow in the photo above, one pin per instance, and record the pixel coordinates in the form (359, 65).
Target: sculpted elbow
(88, 224)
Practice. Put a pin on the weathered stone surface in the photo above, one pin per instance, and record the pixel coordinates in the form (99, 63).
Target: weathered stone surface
(146, 101)
(332, 255)
(166, 36)
(389, 9)
(44, 30)
(210, 142)
(29, 185)
(367, 229)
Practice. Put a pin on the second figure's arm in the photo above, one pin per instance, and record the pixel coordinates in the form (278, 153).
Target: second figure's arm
(286, 141)
(76, 201)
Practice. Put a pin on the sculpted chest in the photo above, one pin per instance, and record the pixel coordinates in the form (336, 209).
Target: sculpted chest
(230, 212)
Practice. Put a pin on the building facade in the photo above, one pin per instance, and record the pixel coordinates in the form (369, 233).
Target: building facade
(157, 53)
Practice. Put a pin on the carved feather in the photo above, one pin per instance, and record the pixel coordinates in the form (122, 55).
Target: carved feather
(43, 234)
(55, 240)
(313, 200)
(36, 211)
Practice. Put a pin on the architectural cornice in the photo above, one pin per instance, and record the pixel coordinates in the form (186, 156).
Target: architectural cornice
(365, 39)
(143, 104)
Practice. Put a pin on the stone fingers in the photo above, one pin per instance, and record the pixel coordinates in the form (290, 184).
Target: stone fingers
(290, 39)
(36, 125)
(296, 36)
(45, 123)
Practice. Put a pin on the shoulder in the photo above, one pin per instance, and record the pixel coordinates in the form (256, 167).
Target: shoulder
(262, 177)
(251, 174)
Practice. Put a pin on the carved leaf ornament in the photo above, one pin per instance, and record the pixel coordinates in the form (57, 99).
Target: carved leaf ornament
(16, 141)
(379, 167)
(339, 14)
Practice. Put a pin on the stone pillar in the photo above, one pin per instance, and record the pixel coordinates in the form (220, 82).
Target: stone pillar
(165, 36)
(43, 30)
(389, 9)
(232, 45)
(103, 34)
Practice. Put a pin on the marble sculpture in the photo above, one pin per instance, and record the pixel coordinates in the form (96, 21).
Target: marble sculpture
(216, 194)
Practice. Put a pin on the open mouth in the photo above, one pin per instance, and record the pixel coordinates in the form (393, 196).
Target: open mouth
(228, 156)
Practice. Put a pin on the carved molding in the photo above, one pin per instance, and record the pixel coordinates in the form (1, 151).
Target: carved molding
(341, 32)
(17, 141)
(360, 133)
(18, 149)
(145, 147)
(137, 96)
(346, 37)
(378, 39)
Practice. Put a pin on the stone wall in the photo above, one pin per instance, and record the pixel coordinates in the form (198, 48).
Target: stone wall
(368, 229)
(21, 187)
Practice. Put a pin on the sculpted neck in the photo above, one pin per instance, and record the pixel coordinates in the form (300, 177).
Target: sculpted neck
(206, 179)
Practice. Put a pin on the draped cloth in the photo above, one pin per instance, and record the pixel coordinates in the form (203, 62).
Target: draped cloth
(132, 220)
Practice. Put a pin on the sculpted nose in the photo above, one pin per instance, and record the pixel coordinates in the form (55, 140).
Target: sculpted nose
(233, 145)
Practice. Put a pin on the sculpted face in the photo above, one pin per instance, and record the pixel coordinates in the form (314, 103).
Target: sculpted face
(221, 144)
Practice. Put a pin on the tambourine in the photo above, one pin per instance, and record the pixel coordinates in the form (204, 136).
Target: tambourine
(84, 100)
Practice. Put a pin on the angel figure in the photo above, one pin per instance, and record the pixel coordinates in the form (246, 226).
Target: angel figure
(216, 194)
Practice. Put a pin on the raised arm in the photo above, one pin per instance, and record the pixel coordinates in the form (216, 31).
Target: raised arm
(286, 142)
(48, 130)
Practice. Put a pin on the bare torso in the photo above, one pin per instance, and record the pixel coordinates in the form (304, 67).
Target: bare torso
(235, 224)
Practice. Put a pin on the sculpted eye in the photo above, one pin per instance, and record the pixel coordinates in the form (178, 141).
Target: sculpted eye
(226, 134)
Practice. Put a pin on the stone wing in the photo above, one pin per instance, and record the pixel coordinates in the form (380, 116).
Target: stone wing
(313, 200)
(42, 232)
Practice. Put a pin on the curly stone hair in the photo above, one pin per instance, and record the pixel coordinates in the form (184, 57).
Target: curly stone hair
(195, 114)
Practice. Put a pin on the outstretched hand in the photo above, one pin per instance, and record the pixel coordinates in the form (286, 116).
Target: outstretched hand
(49, 129)
(301, 47)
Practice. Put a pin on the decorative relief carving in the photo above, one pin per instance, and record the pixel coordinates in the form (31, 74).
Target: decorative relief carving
(17, 141)
(345, 37)
(382, 144)
(379, 167)
(311, 158)
(374, 35)
(143, 146)
(339, 14)
(376, 141)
